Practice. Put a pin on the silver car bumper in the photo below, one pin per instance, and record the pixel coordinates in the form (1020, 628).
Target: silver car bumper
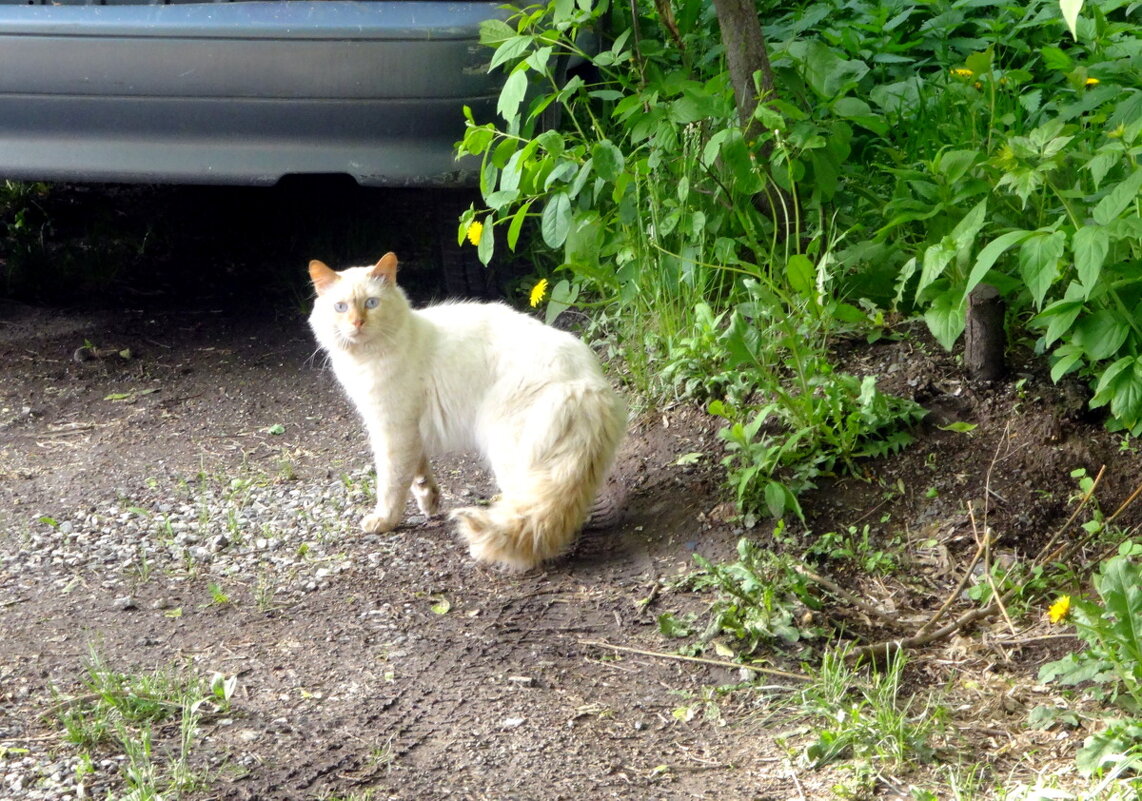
(242, 92)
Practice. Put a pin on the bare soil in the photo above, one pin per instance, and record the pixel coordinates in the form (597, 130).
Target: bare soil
(360, 684)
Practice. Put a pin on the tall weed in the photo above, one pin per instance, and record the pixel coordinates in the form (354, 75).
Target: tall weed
(646, 194)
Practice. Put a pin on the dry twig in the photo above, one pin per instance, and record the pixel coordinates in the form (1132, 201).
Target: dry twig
(1048, 553)
(699, 660)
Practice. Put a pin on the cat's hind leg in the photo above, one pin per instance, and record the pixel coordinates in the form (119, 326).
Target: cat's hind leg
(425, 490)
(549, 462)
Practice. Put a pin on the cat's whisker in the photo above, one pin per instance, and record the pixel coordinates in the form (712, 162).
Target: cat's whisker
(311, 362)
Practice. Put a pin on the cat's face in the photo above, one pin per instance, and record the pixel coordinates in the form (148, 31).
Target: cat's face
(352, 306)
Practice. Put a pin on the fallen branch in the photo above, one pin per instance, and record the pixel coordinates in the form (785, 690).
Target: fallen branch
(848, 597)
(1047, 554)
(697, 659)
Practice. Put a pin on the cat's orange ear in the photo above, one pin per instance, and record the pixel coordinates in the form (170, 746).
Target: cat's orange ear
(322, 276)
(386, 268)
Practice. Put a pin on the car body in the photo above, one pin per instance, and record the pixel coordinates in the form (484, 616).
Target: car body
(241, 92)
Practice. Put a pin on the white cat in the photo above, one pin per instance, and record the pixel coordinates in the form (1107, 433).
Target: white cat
(471, 376)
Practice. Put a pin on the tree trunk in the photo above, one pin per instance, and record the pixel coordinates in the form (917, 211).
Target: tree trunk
(984, 337)
(746, 57)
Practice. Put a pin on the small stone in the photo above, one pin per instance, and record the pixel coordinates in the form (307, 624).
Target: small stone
(123, 603)
(512, 723)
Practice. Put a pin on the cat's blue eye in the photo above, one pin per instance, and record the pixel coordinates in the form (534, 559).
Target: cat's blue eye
(340, 307)
(372, 303)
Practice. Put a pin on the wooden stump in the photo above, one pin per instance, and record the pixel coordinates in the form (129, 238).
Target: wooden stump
(984, 337)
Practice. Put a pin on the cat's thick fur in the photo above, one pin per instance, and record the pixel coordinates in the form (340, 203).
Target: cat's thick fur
(471, 376)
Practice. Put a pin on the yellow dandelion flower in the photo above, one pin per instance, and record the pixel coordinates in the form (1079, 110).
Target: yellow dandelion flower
(962, 72)
(1059, 609)
(475, 231)
(1091, 82)
(538, 292)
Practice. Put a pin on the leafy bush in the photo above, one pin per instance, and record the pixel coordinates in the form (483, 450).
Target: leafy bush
(759, 599)
(647, 194)
(1008, 148)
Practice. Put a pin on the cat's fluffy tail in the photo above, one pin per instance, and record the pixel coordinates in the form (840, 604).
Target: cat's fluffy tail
(549, 476)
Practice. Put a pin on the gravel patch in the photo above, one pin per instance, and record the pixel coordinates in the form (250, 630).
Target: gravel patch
(292, 532)
(281, 540)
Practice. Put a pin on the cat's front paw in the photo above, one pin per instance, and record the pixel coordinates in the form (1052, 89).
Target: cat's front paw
(378, 523)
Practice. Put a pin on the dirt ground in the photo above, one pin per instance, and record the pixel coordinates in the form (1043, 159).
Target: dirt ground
(363, 682)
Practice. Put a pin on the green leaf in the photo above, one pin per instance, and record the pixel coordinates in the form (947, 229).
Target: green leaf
(1101, 334)
(802, 276)
(517, 223)
(1071, 670)
(945, 317)
(1032, 100)
(500, 198)
(608, 159)
(1090, 243)
(583, 246)
(495, 31)
(689, 458)
(442, 606)
(954, 164)
(775, 494)
(477, 138)
(556, 220)
(538, 60)
(563, 172)
(827, 74)
(1100, 164)
(563, 295)
(1120, 585)
(857, 111)
(936, 259)
(959, 427)
(509, 50)
(1070, 9)
(1106, 751)
(696, 103)
(990, 254)
(1121, 387)
(980, 63)
(1067, 358)
(487, 244)
(1118, 199)
(1104, 391)
(1055, 59)
(1039, 262)
(964, 233)
(512, 94)
(1058, 318)
(670, 626)
(552, 142)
